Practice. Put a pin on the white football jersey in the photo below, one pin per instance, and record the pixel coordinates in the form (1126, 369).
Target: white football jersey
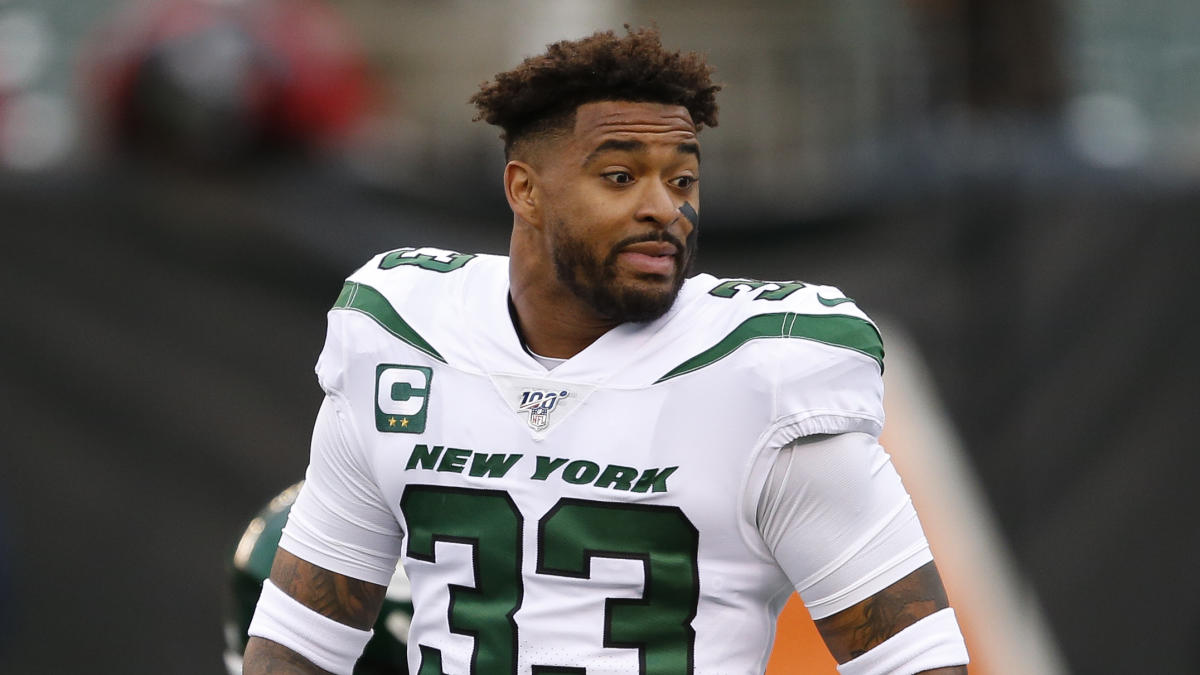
(598, 517)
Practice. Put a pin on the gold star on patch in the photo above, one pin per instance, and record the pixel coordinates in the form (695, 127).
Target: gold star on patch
(404, 422)
(392, 422)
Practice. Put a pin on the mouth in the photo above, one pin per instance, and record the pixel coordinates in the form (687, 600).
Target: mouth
(650, 257)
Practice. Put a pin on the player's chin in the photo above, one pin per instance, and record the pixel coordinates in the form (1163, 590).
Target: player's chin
(647, 299)
(652, 288)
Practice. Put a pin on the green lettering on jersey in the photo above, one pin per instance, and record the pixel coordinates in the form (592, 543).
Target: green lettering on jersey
(424, 457)
(427, 258)
(454, 461)
(402, 397)
(366, 300)
(431, 661)
(732, 287)
(489, 522)
(617, 477)
(849, 332)
(546, 466)
(785, 288)
(658, 624)
(581, 471)
(654, 480)
(493, 466)
(778, 291)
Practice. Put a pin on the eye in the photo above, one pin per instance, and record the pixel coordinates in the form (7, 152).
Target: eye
(619, 177)
(684, 182)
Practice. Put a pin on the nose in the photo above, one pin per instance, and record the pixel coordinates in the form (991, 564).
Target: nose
(657, 206)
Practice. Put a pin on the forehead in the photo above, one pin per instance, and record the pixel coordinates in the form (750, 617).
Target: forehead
(625, 120)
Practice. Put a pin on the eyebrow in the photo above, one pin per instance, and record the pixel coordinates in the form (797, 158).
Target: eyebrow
(636, 146)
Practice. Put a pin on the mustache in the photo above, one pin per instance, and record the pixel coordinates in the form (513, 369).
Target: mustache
(682, 249)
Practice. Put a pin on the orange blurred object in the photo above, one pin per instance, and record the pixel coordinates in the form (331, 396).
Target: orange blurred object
(798, 645)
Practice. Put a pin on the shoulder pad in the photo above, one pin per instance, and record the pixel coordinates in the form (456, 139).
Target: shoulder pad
(736, 311)
(754, 296)
(404, 291)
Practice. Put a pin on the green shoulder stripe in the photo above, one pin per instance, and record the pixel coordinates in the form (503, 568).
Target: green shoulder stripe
(363, 298)
(838, 330)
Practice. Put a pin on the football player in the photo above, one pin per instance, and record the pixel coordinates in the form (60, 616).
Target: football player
(587, 460)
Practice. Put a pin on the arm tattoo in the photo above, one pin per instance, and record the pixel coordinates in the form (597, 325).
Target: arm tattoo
(350, 601)
(853, 631)
(345, 600)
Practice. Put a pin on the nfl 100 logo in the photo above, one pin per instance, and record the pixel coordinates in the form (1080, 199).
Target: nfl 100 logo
(539, 404)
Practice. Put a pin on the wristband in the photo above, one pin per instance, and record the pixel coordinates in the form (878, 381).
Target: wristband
(932, 642)
(328, 644)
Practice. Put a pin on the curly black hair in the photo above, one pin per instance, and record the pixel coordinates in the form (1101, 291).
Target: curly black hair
(542, 93)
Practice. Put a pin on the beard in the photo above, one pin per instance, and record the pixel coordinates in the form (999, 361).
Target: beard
(594, 280)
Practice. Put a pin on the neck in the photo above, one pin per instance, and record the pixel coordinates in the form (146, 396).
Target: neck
(550, 319)
(554, 329)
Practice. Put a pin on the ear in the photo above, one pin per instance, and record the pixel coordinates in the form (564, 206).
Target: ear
(522, 191)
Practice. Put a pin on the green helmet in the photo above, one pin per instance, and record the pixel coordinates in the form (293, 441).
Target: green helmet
(251, 565)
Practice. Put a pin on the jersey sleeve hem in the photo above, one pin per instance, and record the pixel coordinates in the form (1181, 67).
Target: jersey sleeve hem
(347, 562)
(888, 574)
(814, 422)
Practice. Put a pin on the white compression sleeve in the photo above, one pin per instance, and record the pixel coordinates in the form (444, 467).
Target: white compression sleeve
(933, 642)
(328, 644)
(839, 522)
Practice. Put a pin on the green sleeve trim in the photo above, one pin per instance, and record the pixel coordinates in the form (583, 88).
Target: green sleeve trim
(838, 330)
(363, 298)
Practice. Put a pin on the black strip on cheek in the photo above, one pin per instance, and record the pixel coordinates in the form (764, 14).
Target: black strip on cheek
(690, 213)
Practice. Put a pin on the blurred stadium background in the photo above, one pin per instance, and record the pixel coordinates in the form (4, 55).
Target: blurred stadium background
(1007, 185)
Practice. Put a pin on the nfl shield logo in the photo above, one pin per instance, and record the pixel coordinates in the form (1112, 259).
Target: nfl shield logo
(539, 404)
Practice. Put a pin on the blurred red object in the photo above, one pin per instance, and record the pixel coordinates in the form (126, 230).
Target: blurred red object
(220, 78)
